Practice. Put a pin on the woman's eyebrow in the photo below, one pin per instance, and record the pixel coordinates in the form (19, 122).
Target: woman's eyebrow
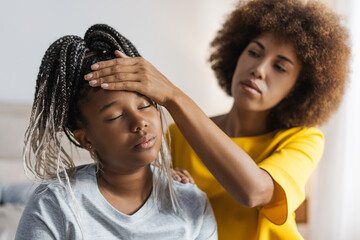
(259, 44)
(286, 59)
(279, 56)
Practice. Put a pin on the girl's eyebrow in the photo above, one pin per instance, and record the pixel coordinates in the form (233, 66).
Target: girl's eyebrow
(279, 56)
(108, 106)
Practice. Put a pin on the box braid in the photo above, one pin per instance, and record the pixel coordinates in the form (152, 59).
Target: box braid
(60, 86)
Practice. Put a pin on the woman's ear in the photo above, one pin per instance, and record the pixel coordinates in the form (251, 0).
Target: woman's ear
(81, 136)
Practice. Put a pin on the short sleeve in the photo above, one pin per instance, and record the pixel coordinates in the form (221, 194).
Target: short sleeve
(290, 166)
(42, 217)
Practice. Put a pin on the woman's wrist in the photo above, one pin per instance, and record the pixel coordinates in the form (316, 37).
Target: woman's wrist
(174, 99)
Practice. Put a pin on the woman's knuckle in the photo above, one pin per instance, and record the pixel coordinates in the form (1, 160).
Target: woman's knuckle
(118, 76)
(125, 86)
(142, 68)
(142, 61)
(115, 68)
(146, 76)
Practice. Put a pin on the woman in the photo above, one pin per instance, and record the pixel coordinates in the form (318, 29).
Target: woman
(285, 64)
(128, 193)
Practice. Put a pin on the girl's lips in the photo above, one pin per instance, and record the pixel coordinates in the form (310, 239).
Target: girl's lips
(145, 143)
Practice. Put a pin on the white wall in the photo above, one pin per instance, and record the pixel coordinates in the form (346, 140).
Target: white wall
(173, 35)
(335, 209)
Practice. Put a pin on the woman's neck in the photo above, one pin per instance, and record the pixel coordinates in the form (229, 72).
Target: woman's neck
(241, 123)
(126, 192)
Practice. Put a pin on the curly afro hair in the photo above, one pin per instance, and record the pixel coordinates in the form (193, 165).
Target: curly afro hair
(320, 42)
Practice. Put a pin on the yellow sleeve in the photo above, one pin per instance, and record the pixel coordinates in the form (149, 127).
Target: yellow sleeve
(171, 135)
(168, 135)
(290, 167)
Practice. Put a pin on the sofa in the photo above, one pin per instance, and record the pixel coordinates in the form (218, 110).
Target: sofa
(15, 187)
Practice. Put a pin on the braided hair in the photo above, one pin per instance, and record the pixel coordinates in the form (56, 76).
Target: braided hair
(60, 86)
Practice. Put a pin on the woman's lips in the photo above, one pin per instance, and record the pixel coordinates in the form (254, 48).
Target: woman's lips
(250, 87)
(145, 143)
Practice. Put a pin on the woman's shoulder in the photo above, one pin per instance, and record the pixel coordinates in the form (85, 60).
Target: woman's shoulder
(303, 130)
(299, 132)
(308, 139)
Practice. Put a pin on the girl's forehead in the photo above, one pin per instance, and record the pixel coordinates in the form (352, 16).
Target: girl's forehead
(98, 98)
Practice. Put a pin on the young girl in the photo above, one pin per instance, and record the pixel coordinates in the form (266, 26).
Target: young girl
(285, 64)
(121, 196)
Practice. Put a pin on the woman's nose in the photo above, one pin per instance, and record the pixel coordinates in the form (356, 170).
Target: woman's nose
(258, 72)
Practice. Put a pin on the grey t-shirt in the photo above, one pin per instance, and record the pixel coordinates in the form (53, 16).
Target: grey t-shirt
(51, 214)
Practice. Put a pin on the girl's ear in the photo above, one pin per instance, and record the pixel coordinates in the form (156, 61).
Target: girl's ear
(81, 136)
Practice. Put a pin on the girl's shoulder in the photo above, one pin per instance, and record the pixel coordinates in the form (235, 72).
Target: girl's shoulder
(189, 195)
(186, 193)
(84, 175)
(188, 189)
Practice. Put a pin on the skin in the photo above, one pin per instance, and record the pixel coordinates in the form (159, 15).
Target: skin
(265, 74)
(124, 129)
(181, 175)
(272, 68)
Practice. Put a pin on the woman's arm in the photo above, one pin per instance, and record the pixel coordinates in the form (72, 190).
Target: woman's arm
(235, 170)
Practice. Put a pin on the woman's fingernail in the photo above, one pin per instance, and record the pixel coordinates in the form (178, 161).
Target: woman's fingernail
(104, 85)
(93, 82)
(95, 66)
(88, 76)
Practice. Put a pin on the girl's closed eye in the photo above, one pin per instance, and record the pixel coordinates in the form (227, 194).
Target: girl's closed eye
(141, 107)
(147, 105)
(114, 118)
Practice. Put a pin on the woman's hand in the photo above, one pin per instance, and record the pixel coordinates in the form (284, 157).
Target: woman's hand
(182, 175)
(132, 74)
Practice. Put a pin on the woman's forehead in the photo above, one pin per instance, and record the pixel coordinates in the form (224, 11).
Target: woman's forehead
(276, 43)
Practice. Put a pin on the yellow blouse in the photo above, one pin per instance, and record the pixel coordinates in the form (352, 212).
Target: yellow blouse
(289, 156)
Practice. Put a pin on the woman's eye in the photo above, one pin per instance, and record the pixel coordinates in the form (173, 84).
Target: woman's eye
(253, 53)
(280, 68)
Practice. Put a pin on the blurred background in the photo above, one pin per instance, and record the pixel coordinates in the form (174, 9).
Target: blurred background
(174, 36)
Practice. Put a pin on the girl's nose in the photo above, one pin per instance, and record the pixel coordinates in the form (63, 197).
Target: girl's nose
(138, 124)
